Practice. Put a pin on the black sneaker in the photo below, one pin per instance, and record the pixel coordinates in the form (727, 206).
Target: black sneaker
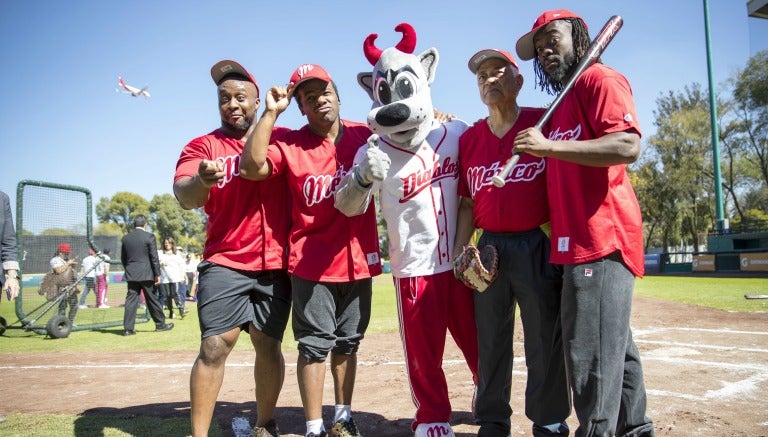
(345, 429)
(164, 327)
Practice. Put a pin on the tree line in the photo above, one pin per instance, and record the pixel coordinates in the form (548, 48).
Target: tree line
(674, 177)
(165, 217)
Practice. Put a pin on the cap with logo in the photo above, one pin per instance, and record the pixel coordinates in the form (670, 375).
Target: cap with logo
(485, 54)
(306, 72)
(226, 67)
(524, 46)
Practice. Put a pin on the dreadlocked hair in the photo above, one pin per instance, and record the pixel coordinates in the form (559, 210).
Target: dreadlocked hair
(581, 42)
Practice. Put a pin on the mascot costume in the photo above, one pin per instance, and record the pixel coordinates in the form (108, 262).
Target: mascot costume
(411, 160)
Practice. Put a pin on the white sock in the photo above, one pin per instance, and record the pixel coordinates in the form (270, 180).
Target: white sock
(342, 412)
(315, 426)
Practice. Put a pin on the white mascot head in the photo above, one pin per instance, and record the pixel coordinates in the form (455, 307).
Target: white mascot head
(399, 87)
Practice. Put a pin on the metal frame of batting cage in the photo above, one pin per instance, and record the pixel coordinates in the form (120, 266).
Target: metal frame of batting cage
(57, 326)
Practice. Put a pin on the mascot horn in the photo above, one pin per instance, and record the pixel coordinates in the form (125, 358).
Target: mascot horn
(399, 87)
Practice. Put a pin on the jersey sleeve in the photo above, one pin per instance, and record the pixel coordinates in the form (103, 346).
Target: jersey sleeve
(612, 104)
(191, 155)
(276, 159)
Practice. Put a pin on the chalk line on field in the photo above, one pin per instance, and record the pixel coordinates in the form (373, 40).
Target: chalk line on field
(641, 332)
(701, 346)
(730, 390)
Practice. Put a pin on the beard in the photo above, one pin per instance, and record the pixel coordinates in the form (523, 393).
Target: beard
(242, 125)
(564, 67)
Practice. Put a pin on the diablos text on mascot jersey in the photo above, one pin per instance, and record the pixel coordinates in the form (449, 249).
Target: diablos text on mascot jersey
(411, 161)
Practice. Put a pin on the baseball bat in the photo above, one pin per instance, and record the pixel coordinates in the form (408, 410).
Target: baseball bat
(594, 51)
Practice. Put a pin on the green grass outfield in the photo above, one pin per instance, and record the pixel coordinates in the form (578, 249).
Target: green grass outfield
(722, 293)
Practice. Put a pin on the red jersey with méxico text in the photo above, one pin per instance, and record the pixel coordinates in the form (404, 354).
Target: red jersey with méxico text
(325, 245)
(521, 205)
(248, 221)
(594, 209)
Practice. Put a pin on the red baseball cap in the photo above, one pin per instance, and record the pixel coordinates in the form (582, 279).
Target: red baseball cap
(485, 54)
(306, 72)
(64, 248)
(225, 67)
(524, 47)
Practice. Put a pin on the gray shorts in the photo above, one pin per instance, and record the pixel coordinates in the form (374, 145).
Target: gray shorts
(330, 316)
(228, 299)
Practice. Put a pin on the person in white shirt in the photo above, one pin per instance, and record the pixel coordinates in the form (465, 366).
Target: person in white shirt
(173, 273)
(88, 268)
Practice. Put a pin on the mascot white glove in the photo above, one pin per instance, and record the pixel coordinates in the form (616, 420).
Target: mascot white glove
(375, 164)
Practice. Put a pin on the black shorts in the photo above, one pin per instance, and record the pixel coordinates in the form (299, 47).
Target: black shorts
(229, 298)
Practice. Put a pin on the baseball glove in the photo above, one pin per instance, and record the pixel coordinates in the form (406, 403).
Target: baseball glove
(477, 268)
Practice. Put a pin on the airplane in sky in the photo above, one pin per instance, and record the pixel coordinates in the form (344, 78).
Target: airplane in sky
(132, 90)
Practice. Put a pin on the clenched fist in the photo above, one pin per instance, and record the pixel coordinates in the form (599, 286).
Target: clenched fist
(210, 172)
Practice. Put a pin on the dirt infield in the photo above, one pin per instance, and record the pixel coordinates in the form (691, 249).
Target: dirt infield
(706, 374)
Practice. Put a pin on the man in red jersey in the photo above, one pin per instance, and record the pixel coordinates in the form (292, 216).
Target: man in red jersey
(513, 220)
(597, 231)
(332, 257)
(243, 283)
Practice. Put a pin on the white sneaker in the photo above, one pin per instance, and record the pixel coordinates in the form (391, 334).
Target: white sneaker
(82, 307)
(104, 306)
(439, 429)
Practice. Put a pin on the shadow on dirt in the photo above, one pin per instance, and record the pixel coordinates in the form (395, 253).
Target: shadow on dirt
(175, 420)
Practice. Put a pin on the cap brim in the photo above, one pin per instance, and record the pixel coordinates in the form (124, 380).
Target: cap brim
(307, 79)
(483, 55)
(524, 47)
(226, 67)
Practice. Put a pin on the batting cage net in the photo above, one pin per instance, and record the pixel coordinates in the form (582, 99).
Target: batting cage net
(54, 226)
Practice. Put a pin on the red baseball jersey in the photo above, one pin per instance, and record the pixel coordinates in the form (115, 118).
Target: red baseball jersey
(325, 245)
(594, 209)
(248, 221)
(520, 205)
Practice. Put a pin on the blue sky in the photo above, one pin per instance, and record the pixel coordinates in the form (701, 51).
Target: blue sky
(63, 122)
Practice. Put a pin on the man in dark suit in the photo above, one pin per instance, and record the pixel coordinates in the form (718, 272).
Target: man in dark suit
(8, 253)
(142, 272)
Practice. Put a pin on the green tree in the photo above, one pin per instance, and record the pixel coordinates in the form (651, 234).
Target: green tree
(166, 216)
(60, 232)
(108, 229)
(194, 230)
(745, 138)
(186, 227)
(661, 213)
(676, 171)
(121, 209)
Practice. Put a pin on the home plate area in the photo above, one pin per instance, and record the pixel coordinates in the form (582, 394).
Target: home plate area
(706, 373)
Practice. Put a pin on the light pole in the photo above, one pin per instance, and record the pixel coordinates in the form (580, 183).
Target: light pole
(722, 223)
